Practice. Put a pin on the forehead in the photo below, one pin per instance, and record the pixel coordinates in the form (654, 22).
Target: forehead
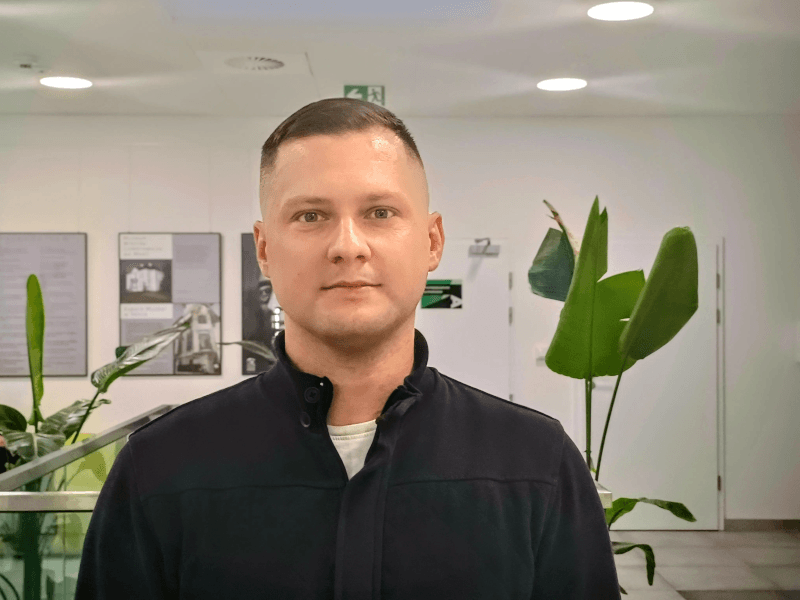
(374, 156)
(371, 144)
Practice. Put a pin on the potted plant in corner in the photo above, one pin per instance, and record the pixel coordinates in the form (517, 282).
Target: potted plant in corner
(606, 326)
(29, 537)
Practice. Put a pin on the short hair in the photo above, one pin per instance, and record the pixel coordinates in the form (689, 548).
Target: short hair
(332, 116)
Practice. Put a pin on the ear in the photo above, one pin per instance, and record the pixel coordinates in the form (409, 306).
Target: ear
(261, 247)
(436, 235)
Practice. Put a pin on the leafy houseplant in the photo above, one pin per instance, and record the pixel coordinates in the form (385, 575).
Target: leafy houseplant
(606, 326)
(50, 434)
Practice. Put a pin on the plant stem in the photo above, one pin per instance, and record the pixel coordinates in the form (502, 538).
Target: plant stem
(588, 389)
(88, 410)
(608, 417)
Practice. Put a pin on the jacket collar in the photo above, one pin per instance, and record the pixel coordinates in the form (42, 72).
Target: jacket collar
(313, 395)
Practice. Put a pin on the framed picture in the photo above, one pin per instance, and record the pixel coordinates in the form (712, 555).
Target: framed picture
(262, 316)
(161, 276)
(59, 262)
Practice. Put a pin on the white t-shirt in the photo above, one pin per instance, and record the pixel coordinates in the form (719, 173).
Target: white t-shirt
(353, 442)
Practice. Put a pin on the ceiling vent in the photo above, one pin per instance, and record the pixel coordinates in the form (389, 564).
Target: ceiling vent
(267, 63)
(253, 63)
(29, 63)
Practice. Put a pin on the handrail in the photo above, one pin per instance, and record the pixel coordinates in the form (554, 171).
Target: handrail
(83, 501)
(605, 495)
(86, 501)
(57, 502)
(19, 476)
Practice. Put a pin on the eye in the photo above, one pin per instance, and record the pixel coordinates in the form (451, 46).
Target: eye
(384, 210)
(313, 212)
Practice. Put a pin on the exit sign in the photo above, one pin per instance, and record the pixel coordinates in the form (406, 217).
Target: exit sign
(371, 93)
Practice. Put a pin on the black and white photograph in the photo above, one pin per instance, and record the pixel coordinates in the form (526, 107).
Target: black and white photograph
(145, 281)
(195, 349)
(262, 316)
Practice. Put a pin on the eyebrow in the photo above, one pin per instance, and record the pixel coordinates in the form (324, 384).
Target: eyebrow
(297, 201)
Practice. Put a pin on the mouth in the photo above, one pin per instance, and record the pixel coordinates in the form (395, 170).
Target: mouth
(350, 287)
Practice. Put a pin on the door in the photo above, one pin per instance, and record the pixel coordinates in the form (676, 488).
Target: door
(470, 341)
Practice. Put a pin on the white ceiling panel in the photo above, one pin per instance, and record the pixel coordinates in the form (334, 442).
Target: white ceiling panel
(436, 58)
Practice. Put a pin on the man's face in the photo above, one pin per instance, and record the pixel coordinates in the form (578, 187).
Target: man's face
(350, 234)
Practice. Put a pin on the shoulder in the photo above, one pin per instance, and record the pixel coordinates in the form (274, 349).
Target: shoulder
(204, 410)
(499, 438)
(489, 403)
(193, 445)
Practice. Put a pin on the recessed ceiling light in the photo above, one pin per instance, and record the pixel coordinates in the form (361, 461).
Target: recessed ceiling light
(620, 11)
(67, 83)
(563, 84)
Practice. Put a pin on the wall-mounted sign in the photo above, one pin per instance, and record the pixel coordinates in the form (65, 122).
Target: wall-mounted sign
(59, 262)
(442, 293)
(371, 93)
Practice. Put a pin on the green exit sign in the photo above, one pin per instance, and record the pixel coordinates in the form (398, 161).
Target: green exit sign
(371, 93)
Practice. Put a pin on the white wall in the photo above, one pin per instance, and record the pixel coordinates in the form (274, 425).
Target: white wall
(734, 176)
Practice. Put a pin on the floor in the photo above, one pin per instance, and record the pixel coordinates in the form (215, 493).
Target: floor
(711, 565)
(695, 565)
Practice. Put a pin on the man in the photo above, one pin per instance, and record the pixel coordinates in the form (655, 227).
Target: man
(351, 469)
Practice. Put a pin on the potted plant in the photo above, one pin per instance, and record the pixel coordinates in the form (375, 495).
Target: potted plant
(606, 326)
(32, 534)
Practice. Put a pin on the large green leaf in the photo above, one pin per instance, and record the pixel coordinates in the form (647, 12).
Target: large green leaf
(550, 275)
(622, 506)
(34, 329)
(66, 420)
(142, 351)
(669, 298)
(623, 547)
(615, 298)
(31, 445)
(586, 340)
(12, 419)
(573, 243)
(255, 347)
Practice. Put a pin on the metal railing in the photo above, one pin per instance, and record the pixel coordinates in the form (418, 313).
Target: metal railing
(605, 495)
(11, 501)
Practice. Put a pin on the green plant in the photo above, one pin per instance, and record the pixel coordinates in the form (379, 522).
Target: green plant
(255, 347)
(606, 326)
(30, 537)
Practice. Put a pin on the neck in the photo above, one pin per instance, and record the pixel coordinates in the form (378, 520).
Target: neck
(363, 372)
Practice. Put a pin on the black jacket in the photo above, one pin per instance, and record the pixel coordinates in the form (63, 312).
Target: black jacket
(241, 494)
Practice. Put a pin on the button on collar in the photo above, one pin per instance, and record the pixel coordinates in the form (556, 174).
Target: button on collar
(311, 394)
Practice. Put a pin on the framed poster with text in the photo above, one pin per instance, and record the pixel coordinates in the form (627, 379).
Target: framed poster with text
(160, 276)
(59, 262)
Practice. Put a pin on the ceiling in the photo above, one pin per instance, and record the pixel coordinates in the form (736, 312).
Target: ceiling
(436, 58)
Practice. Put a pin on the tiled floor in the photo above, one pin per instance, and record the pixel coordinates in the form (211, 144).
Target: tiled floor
(711, 565)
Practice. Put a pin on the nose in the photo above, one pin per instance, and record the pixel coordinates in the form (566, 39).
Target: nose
(349, 242)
